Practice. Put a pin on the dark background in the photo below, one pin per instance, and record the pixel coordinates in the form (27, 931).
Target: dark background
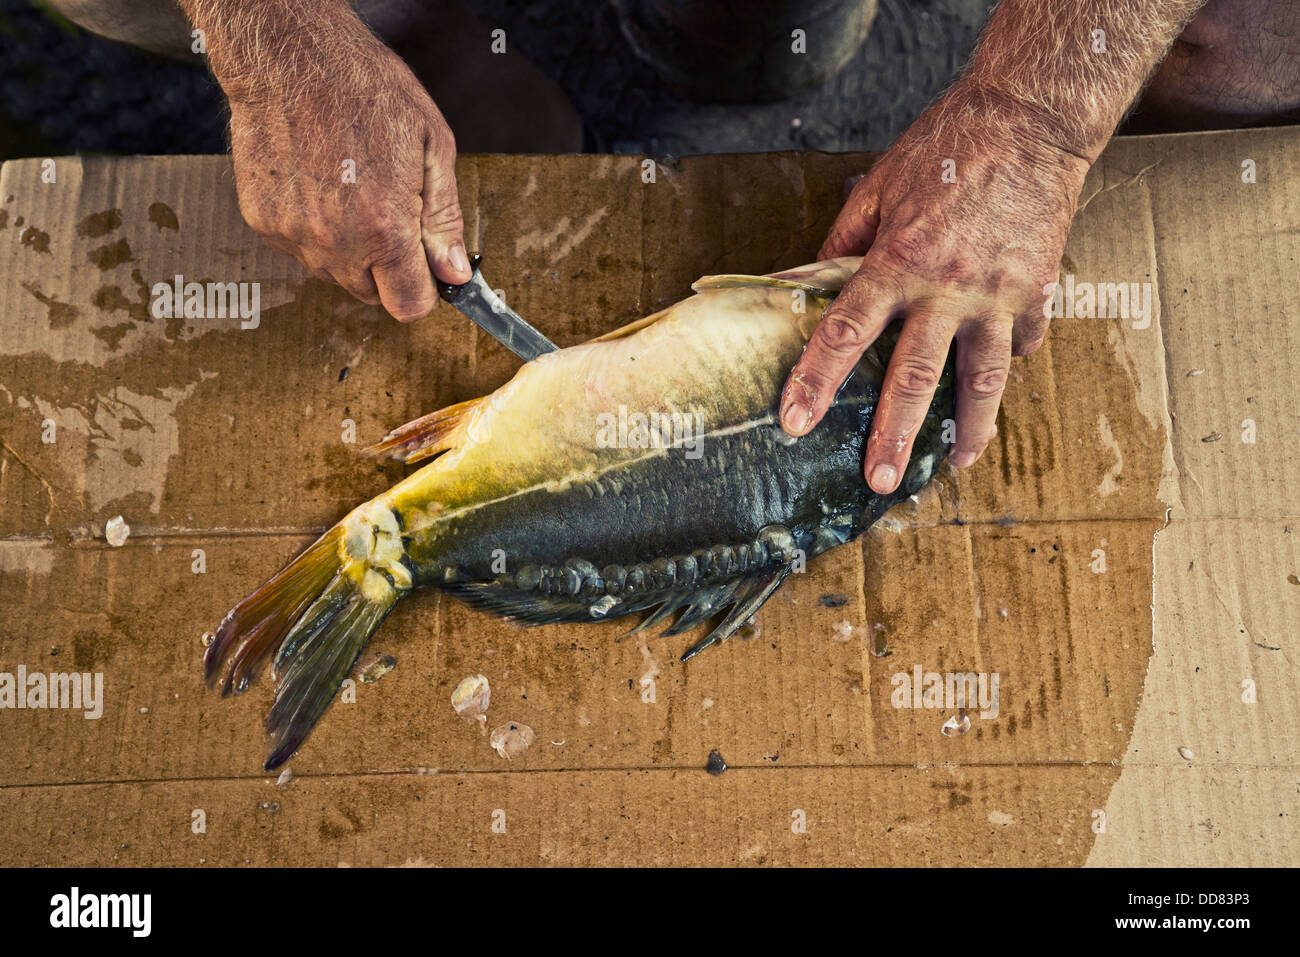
(63, 90)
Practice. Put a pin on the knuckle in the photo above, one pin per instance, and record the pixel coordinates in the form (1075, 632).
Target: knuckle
(378, 227)
(907, 249)
(959, 269)
(988, 382)
(388, 250)
(317, 232)
(915, 378)
(443, 218)
(863, 197)
(843, 333)
(887, 442)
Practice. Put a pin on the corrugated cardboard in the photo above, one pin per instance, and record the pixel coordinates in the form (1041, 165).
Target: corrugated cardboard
(1122, 575)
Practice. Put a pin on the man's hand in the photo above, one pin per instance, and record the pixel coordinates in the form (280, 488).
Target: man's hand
(961, 223)
(341, 158)
(967, 255)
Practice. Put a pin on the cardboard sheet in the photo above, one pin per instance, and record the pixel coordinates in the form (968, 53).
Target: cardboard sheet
(1129, 579)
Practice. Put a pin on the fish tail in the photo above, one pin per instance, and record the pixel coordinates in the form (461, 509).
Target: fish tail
(315, 616)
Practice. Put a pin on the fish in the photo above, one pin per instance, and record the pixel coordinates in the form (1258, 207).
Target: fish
(643, 471)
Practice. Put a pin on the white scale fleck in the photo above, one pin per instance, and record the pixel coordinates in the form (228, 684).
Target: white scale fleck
(117, 531)
(511, 739)
(471, 698)
(957, 724)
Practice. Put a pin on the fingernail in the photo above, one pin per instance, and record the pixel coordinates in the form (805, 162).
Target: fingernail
(456, 255)
(963, 460)
(795, 417)
(884, 478)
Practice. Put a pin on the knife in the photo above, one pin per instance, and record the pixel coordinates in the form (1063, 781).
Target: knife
(487, 311)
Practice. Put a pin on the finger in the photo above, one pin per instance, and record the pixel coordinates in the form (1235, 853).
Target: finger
(442, 226)
(851, 323)
(405, 286)
(855, 227)
(983, 361)
(910, 382)
(283, 246)
(1028, 333)
(359, 283)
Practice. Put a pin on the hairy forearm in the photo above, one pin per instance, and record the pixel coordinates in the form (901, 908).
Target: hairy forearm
(254, 44)
(1047, 56)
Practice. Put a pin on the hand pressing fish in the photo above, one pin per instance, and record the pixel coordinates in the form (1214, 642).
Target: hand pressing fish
(643, 471)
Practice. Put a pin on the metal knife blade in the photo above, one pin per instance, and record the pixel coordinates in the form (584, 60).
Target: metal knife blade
(487, 311)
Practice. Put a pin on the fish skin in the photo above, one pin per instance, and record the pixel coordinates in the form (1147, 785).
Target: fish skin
(724, 353)
(589, 532)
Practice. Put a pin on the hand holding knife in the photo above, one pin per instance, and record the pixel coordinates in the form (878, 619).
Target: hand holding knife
(487, 311)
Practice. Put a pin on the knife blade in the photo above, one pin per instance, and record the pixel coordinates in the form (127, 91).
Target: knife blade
(476, 300)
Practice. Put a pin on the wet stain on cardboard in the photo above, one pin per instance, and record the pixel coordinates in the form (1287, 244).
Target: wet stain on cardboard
(88, 650)
(35, 240)
(60, 314)
(111, 255)
(333, 830)
(99, 224)
(111, 336)
(163, 217)
(110, 298)
(958, 793)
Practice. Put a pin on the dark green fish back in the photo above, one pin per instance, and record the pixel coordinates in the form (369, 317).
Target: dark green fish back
(609, 548)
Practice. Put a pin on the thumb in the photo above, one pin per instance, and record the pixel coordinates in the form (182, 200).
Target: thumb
(442, 227)
(855, 227)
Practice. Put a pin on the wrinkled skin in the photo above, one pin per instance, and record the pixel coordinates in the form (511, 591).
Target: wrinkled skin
(384, 237)
(1236, 64)
(966, 259)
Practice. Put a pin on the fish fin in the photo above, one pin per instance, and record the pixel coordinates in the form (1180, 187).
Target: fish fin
(748, 602)
(829, 274)
(634, 326)
(660, 614)
(426, 436)
(525, 607)
(317, 655)
(737, 281)
(704, 605)
(254, 629)
(315, 616)
(825, 278)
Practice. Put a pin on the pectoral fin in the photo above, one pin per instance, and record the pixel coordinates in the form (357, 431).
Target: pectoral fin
(426, 436)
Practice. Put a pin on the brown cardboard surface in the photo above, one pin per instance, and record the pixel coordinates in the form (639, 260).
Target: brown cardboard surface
(211, 437)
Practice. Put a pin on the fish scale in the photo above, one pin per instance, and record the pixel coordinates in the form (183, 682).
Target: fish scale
(528, 510)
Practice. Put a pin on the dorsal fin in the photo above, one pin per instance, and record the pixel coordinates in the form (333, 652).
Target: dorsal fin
(439, 431)
(635, 326)
(825, 278)
(738, 280)
(426, 436)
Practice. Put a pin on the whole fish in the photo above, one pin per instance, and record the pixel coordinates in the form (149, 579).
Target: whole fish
(644, 470)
